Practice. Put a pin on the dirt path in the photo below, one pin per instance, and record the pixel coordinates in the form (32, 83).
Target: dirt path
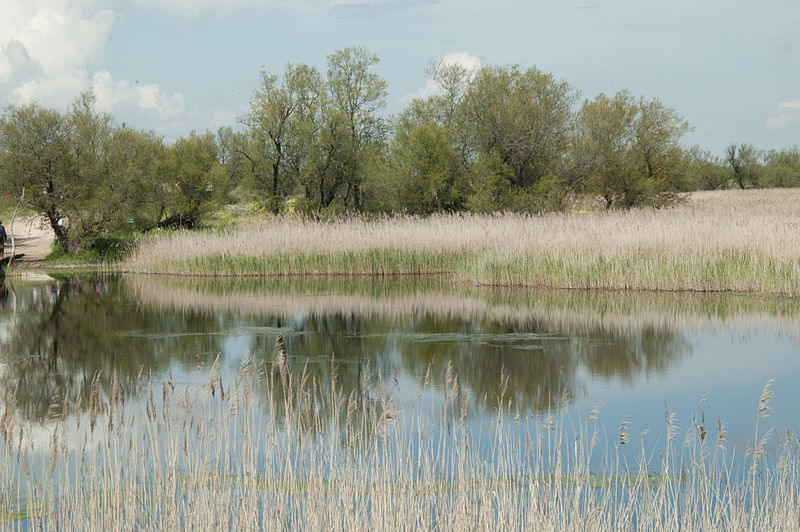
(30, 238)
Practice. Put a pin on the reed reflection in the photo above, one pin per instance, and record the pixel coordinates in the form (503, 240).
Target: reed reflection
(533, 359)
(535, 347)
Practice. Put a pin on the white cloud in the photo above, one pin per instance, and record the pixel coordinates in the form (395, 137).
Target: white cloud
(192, 9)
(167, 114)
(50, 50)
(149, 96)
(787, 115)
(466, 60)
(46, 47)
(197, 8)
(793, 105)
(431, 88)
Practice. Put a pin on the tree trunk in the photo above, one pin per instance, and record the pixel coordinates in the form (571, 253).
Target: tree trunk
(275, 202)
(60, 231)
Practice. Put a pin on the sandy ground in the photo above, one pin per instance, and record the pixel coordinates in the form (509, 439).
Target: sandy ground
(30, 238)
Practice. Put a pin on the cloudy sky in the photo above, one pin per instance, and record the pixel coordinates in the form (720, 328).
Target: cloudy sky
(731, 68)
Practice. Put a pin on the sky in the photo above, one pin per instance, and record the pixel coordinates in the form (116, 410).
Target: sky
(731, 68)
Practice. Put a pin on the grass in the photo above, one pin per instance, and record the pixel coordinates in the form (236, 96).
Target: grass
(727, 241)
(268, 448)
(97, 250)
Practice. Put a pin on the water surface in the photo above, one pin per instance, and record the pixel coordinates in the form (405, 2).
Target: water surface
(636, 354)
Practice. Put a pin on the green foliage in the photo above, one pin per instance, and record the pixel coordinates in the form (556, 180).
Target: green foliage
(744, 161)
(430, 177)
(494, 138)
(356, 95)
(552, 193)
(628, 151)
(137, 160)
(36, 155)
(197, 181)
(519, 117)
(279, 125)
(704, 171)
(314, 136)
(782, 168)
(110, 247)
(87, 176)
(489, 180)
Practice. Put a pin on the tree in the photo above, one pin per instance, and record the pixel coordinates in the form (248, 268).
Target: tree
(507, 130)
(232, 156)
(520, 119)
(429, 152)
(658, 130)
(453, 80)
(324, 172)
(60, 160)
(135, 172)
(704, 171)
(84, 174)
(744, 162)
(430, 177)
(34, 154)
(356, 95)
(628, 151)
(275, 125)
(782, 168)
(197, 180)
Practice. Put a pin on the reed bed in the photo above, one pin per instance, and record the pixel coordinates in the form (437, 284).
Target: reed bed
(572, 312)
(742, 241)
(227, 455)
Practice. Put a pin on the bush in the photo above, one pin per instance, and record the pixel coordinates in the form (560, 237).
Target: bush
(106, 248)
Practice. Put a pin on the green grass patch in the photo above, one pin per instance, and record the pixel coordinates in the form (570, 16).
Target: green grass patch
(370, 262)
(107, 248)
(731, 271)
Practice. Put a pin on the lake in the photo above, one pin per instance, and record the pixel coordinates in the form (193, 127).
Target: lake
(634, 354)
(146, 402)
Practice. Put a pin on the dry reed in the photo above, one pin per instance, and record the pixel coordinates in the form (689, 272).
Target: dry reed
(707, 223)
(721, 241)
(562, 311)
(180, 456)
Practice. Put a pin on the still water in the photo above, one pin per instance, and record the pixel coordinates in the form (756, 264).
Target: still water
(636, 355)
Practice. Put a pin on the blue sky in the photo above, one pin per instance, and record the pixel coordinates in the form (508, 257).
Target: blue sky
(732, 69)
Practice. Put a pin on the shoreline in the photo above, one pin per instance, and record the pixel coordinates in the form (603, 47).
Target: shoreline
(731, 241)
(746, 273)
(714, 242)
(780, 286)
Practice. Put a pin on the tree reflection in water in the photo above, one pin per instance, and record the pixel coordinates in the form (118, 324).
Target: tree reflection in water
(64, 333)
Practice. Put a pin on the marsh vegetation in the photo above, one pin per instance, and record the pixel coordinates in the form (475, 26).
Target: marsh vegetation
(319, 144)
(457, 317)
(734, 241)
(214, 455)
(152, 403)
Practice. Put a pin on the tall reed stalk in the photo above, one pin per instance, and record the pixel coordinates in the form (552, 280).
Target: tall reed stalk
(740, 241)
(270, 448)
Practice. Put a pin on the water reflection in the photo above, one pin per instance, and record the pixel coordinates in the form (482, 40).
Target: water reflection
(532, 346)
(62, 334)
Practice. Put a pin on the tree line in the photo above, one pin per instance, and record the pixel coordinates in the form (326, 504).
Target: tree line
(494, 138)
